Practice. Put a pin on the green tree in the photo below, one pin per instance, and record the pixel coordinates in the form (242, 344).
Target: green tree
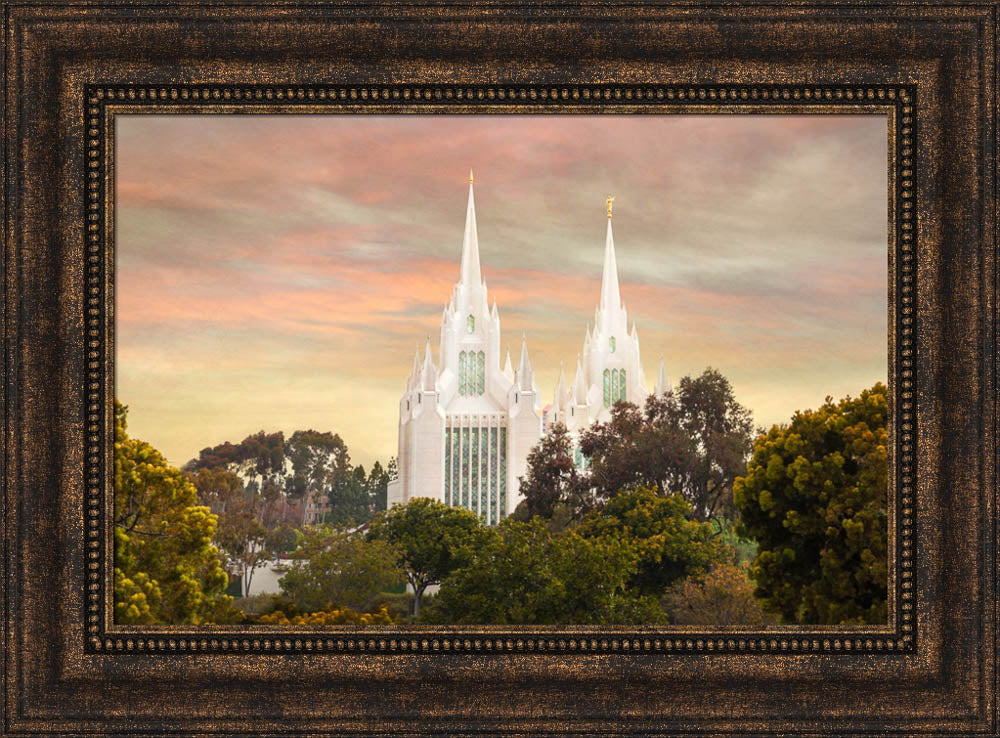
(378, 487)
(241, 537)
(694, 440)
(552, 477)
(669, 545)
(335, 568)
(166, 568)
(525, 574)
(431, 539)
(721, 596)
(814, 498)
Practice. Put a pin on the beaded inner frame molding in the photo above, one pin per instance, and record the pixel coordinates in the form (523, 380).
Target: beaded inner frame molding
(104, 102)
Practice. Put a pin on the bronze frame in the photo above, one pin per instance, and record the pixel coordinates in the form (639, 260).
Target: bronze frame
(70, 68)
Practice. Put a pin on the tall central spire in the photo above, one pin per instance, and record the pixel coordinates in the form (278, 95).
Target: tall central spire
(610, 294)
(471, 273)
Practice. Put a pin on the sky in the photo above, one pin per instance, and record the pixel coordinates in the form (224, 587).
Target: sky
(277, 272)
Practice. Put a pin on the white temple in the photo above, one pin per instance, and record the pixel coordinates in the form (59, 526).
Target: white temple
(466, 426)
(609, 368)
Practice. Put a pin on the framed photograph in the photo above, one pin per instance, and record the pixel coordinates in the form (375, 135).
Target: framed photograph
(460, 369)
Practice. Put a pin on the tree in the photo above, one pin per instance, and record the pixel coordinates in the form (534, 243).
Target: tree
(241, 536)
(814, 498)
(552, 476)
(335, 568)
(670, 546)
(349, 500)
(525, 574)
(378, 487)
(694, 441)
(431, 539)
(721, 596)
(166, 568)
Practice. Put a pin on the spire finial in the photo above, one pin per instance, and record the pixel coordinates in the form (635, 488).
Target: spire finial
(470, 176)
(610, 202)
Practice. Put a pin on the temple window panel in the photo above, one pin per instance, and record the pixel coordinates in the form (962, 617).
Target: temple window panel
(465, 467)
(607, 388)
(480, 372)
(474, 493)
(461, 373)
(484, 471)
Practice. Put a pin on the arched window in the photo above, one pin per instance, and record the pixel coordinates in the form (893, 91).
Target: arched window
(607, 388)
(611, 344)
(481, 373)
(461, 373)
(621, 386)
(614, 385)
(470, 324)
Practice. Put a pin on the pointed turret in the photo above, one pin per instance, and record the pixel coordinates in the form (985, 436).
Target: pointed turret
(525, 374)
(559, 398)
(579, 384)
(471, 274)
(508, 370)
(428, 373)
(662, 383)
(411, 380)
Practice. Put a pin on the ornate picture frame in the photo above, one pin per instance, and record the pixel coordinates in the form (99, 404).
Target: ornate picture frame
(70, 69)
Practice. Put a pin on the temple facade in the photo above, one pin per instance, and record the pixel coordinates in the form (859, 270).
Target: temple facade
(467, 423)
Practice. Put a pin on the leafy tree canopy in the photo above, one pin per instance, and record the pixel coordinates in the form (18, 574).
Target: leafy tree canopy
(552, 477)
(721, 596)
(525, 574)
(693, 441)
(335, 568)
(669, 545)
(814, 497)
(431, 540)
(166, 568)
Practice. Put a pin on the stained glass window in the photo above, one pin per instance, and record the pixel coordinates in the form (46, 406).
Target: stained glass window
(611, 344)
(607, 388)
(621, 386)
(470, 324)
(461, 373)
(474, 492)
(503, 473)
(447, 467)
(484, 456)
(456, 468)
(465, 467)
(614, 384)
(493, 476)
(481, 373)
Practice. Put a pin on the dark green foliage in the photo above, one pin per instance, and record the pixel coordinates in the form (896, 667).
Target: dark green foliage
(334, 568)
(431, 539)
(668, 544)
(815, 499)
(552, 477)
(693, 441)
(525, 574)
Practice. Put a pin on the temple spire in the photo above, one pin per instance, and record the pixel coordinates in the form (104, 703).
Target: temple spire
(610, 294)
(471, 273)
(662, 383)
(428, 373)
(525, 374)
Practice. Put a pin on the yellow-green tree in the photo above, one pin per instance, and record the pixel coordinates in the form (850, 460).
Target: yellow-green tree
(814, 498)
(670, 545)
(166, 568)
